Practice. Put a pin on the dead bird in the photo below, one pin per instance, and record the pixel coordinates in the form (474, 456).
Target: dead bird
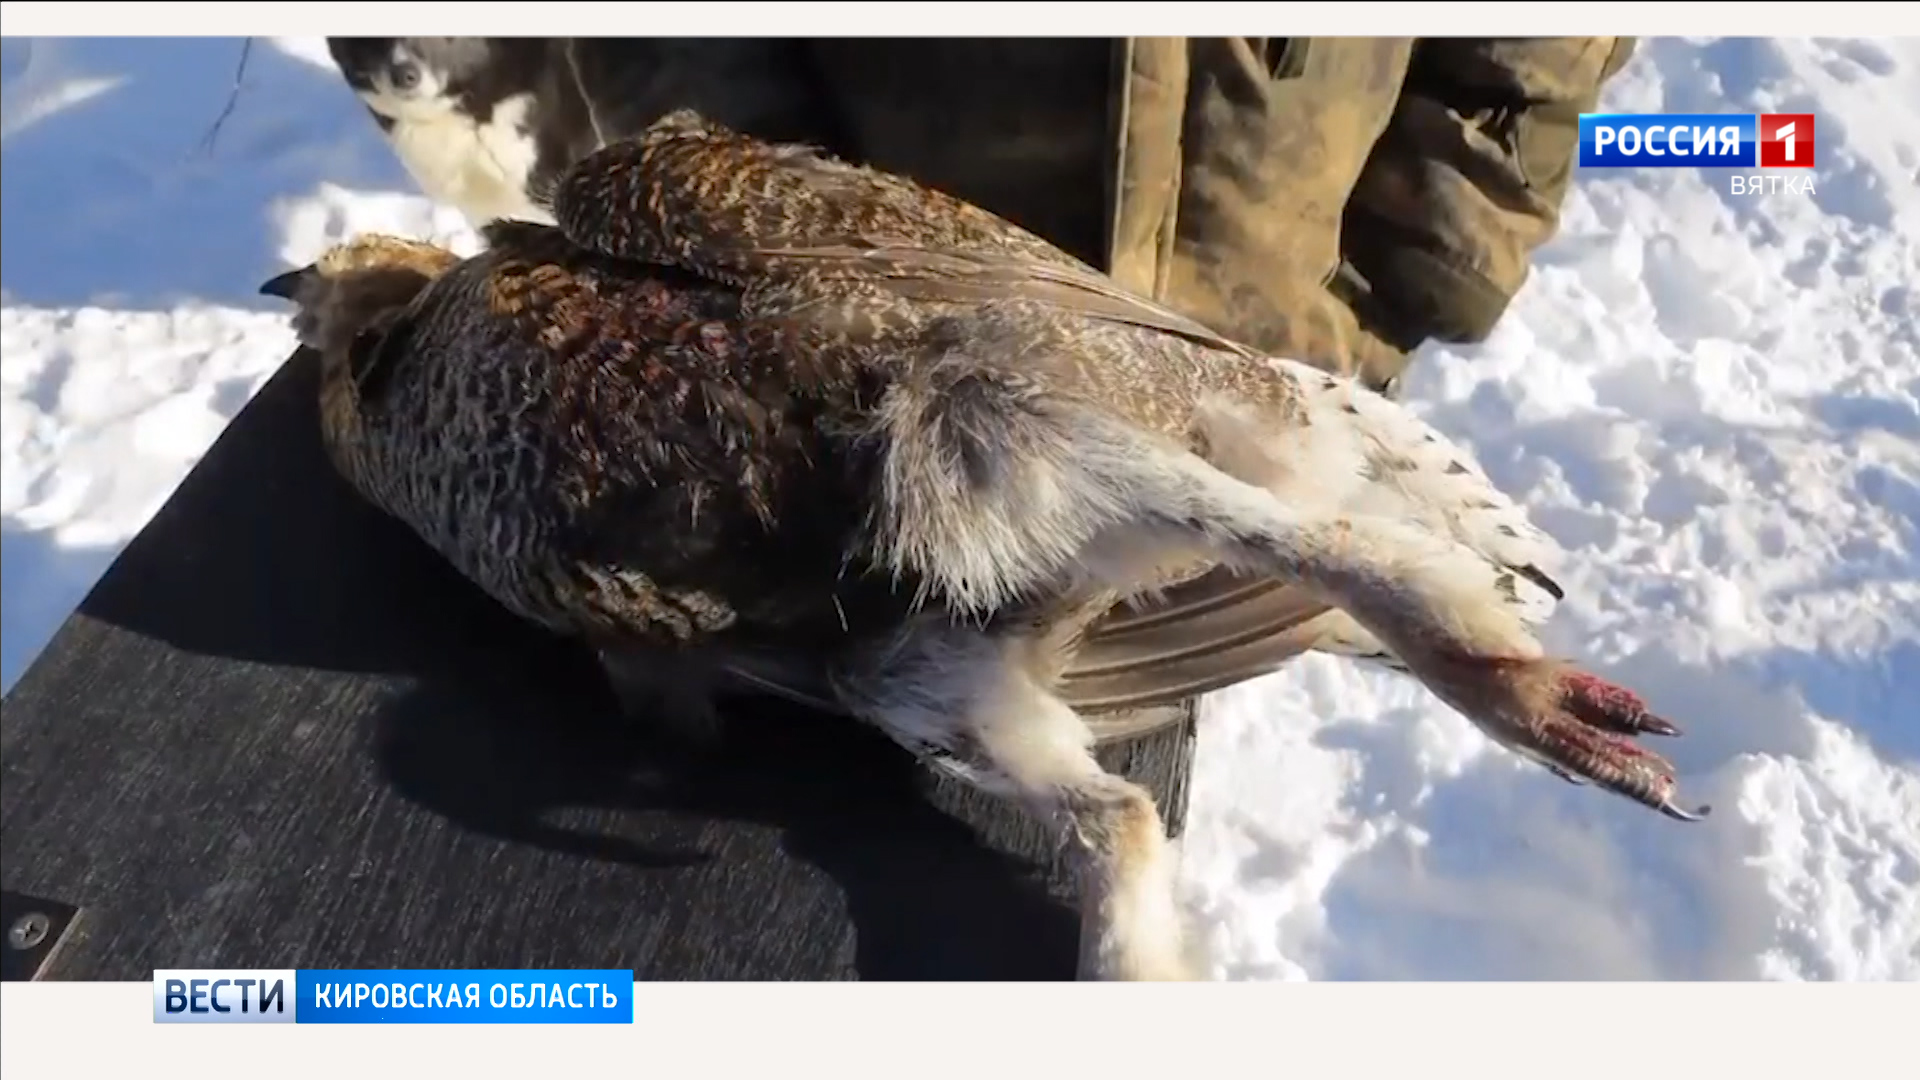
(748, 411)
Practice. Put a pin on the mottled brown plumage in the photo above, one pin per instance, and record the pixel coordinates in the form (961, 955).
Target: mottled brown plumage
(756, 413)
(611, 451)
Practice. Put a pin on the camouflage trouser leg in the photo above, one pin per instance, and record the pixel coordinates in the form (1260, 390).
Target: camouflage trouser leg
(1342, 200)
(1469, 178)
(1240, 227)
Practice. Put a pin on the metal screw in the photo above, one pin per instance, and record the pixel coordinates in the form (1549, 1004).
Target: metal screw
(27, 931)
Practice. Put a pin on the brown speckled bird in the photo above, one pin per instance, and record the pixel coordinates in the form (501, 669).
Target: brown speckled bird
(751, 412)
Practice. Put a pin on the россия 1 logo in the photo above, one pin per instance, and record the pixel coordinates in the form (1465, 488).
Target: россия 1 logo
(1705, 141)
(1786, 140)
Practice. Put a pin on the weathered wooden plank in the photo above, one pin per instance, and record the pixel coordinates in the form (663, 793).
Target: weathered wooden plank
(280, 733)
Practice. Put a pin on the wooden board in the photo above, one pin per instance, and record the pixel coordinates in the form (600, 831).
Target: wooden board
(280, 733)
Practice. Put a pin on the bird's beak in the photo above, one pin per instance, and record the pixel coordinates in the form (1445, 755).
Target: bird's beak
(285, 286)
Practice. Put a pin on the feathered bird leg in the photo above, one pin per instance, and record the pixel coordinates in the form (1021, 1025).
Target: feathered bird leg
(1436, 604)
(970, 703)
(1464, 577)
(1061, 491)
(1445, 611)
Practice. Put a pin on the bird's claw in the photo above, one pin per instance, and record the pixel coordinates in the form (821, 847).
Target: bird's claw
(1591, 732)
(1598, 703)
(1581, 728)
(1678, 814)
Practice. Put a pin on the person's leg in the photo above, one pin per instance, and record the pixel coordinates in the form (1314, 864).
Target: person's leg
(1276, 133)
(1469, 178)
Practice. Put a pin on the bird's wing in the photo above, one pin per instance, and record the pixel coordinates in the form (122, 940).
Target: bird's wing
(705, 199)
(1200, 636)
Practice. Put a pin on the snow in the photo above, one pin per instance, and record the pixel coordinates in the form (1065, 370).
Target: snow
(1712, 399)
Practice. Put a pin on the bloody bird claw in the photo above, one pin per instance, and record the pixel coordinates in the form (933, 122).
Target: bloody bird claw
(1604, 705)
(1577, 725)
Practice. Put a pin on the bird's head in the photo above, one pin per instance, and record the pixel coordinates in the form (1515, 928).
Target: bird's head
(355, 285)
(345, 301)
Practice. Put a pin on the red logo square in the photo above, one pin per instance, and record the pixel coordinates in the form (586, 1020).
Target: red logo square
(1786, 140)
